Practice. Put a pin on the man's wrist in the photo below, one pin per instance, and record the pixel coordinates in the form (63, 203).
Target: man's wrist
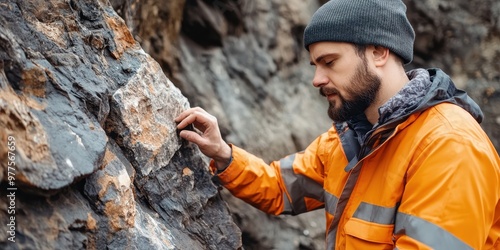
(225, 160)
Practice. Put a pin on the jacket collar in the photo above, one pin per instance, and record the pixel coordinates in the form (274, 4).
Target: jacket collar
(425, 89)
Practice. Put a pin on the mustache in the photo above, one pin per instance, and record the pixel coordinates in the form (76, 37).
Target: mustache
(328, 91)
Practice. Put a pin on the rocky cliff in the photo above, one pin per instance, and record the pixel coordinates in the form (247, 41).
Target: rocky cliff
(243, 61)
(90, 153)
(96, 160)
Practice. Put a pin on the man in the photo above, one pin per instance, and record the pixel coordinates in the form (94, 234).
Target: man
(405, 165)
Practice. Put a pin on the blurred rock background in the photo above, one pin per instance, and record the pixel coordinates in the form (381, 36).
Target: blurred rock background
(78, 73)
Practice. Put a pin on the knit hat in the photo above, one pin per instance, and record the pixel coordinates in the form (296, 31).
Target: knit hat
(365, 22)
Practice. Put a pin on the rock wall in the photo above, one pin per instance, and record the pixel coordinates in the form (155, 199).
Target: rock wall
(243, 61)
(98, 161)
(90, 155)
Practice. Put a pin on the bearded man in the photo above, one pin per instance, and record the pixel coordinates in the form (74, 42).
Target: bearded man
(405, 165)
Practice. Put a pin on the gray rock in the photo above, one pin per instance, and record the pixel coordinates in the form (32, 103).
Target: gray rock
(98, 162)
(249, 69)
(73, 72)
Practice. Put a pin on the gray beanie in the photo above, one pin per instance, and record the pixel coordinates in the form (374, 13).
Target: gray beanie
(365, 22)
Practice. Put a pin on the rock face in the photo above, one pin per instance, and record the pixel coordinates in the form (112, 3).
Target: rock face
(98, 163)
(243, 61)
(90, 152)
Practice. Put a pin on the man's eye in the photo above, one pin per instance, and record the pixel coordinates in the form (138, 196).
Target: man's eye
(328, 63)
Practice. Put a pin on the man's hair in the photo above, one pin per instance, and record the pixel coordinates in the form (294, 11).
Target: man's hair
(360, 50)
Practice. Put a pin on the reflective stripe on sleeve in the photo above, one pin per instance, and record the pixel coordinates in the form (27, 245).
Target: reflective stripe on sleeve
(298, 187)
(330, 203)
(287, 207)
(427, 233)
(375, 214)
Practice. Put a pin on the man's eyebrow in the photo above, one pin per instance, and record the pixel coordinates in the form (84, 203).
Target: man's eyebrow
(319, 58)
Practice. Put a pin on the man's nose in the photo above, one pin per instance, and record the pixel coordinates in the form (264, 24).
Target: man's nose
(320, 78)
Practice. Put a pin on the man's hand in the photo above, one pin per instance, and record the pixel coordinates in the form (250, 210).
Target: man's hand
(210, 140)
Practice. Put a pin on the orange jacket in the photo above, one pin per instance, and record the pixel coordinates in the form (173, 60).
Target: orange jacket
(429, 181)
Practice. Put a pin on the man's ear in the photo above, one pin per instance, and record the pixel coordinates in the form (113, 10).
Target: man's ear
(380, 55)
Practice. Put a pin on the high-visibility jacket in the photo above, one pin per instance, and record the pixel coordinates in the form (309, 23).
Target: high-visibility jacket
(430, 180)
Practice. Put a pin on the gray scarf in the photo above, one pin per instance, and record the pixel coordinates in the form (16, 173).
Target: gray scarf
(408, 98)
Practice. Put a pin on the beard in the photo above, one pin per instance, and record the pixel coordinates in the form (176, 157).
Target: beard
(362, 90)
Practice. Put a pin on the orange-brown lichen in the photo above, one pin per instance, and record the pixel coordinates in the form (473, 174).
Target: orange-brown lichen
(122, 37)
(187, 172)
(121, 214)
(17, 120)
(91, 222)
(33, 81)
(108, 157)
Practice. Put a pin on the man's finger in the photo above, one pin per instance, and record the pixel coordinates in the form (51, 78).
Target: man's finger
(191, 136)
(186, 120)
(186, 113)
(183, 115)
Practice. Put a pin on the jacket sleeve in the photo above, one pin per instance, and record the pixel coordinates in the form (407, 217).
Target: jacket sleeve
(451, 197)
(291, 185)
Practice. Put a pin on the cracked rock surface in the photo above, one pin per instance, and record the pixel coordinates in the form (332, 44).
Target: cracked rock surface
(98, 162)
